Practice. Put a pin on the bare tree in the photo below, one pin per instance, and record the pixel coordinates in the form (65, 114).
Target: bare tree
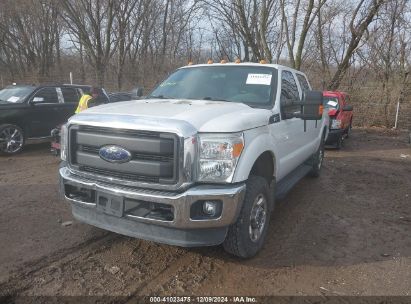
(128, 18)
(29, 30)
(312, 9)
(92, 23)
(361, 18)
(251, 22)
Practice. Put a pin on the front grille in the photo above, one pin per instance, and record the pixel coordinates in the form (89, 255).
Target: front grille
(120, 175)
(141, 156)
(154, 155)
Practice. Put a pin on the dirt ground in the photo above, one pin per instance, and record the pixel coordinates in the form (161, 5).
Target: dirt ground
(345, 233)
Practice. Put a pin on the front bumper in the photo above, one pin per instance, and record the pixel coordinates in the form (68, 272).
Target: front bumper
(333, 136)
(182, 230)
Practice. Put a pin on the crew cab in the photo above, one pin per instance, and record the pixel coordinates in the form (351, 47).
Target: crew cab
(341, 115)
(29, 113)
(199, 161)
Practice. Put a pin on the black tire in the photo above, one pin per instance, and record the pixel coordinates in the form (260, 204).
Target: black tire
(317, 160)
(10, 132)
(348, 133)
(339, 143)
(239, 240)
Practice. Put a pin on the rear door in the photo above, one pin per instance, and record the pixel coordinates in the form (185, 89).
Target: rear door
(312, 127)
(71, 97)
(43, 108)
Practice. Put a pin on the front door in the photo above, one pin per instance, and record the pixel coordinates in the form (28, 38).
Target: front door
(44, 106)
(293, 141)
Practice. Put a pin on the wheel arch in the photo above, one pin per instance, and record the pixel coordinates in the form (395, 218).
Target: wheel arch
(264, 166)
(18, 123)
(254, 159)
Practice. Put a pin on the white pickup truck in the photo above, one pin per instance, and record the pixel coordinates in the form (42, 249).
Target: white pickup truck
(198, 162)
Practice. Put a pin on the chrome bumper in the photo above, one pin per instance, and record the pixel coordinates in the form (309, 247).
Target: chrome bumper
(231, 197)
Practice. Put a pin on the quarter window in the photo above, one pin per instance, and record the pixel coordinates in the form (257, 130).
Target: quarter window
(303, 82)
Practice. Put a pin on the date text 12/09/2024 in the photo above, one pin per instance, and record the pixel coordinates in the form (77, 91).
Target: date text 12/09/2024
(202, 299)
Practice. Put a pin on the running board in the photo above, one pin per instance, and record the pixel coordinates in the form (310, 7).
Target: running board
(38, 140)
(288, 182)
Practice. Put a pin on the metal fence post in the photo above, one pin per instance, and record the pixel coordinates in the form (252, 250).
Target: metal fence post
(396, 115)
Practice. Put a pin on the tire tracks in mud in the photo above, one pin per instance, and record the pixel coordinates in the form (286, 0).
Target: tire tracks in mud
(183, 275)
(19, 281)
(140, 268)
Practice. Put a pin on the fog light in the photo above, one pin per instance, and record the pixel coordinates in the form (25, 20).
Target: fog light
(210, 208)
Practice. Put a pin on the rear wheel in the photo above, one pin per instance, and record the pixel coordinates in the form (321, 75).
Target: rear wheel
(340, 141)
(246, 236)
(348, 133)
(317, 160)
(11, 139)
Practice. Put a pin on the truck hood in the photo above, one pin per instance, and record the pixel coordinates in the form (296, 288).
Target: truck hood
(203, 115)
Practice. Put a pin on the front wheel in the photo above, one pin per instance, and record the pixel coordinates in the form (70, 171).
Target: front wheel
(11, 139)
(246, 236)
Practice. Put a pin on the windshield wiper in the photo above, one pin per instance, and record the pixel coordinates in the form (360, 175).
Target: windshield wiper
(213, 99)
(159, 97)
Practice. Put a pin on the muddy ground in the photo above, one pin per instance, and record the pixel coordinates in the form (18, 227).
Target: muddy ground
(345, 233)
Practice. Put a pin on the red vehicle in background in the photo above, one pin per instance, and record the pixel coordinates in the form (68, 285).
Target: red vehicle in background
(341, 114)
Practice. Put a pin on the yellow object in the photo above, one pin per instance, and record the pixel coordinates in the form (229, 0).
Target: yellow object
(223, 61)
(237, 149)
(320, 110)
(83, 103)
(209, 61)
(190, 63)
(262, 61)
(237, 60)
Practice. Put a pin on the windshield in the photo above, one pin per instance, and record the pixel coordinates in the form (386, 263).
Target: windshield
(246, 84)
(15, 94)
(331, 102)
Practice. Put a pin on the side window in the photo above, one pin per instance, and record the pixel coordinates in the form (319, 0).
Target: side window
(303, 82)
(70, 95)
(47, 95)
(289, 89)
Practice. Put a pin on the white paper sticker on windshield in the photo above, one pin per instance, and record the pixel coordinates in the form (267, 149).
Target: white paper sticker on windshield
(332, 103)
(13, 99)
(264, 79)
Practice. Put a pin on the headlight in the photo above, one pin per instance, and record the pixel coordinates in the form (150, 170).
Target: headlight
(335, 124)
(218, 156)
(63, 142)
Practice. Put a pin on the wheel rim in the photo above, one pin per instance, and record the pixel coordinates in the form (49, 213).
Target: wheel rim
(11, 140)
(258, 218)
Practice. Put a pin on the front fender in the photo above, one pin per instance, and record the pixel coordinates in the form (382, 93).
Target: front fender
(257, 141)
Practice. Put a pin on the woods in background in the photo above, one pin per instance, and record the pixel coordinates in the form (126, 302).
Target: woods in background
(348, 44)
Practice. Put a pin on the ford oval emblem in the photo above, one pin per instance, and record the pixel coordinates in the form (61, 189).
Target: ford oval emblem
(114, 154)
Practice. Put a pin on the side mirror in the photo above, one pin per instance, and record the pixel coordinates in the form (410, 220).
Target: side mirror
(311, 107)
(37, 100)
(347, 108)
(137, 92)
